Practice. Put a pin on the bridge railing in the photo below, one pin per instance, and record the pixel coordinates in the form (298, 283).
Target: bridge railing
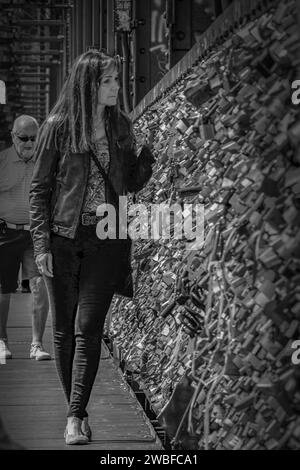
(238, 13)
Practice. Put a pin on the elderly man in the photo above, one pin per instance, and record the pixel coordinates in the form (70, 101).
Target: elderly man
(16, 167)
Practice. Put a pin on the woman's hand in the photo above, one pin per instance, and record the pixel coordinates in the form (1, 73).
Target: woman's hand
(45, 264)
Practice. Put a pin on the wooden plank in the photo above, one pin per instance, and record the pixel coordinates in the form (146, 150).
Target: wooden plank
(33, 407)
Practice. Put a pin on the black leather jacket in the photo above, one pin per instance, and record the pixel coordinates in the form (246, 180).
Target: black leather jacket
(59, 181)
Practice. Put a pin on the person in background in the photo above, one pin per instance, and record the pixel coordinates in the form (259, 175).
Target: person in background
(85, 131)
(16, 168)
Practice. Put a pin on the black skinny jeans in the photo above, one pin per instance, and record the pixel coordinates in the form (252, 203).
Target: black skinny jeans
(85, 270)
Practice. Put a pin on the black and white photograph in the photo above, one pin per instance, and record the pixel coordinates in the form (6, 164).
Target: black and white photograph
(149, 229)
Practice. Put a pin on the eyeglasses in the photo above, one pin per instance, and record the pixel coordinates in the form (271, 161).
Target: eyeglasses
(25, 138)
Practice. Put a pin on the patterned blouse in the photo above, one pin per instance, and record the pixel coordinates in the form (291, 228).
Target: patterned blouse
(95, 191)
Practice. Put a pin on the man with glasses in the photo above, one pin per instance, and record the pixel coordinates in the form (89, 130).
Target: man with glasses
(16, 167)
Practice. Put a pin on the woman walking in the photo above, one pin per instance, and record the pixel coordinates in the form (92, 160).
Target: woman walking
(85, 157)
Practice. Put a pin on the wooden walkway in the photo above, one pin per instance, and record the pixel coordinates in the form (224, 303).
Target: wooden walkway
(32, 404)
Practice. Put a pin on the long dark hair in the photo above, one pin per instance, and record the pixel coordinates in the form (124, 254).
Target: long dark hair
(70, 121)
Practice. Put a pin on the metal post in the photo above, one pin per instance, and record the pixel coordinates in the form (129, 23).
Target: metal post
(73, 32)
(96, 23)
(142, 40)
(102, 23)
(88, 23)
(110, 28)
(182, 40)
(78, 32)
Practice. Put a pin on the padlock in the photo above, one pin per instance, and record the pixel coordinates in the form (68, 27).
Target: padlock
(197, 92)
(206, 127)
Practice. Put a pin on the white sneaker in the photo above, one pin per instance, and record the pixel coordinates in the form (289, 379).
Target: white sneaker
(5, 353)
(38, 353)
